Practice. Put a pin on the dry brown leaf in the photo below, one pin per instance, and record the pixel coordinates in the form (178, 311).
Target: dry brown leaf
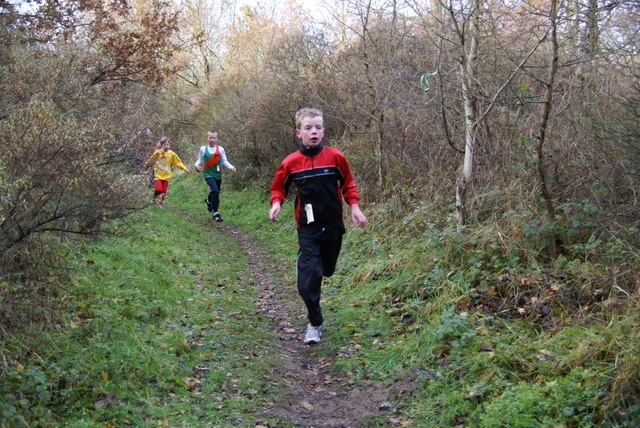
(610, 303)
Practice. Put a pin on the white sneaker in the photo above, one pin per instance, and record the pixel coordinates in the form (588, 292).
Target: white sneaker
(313, 334)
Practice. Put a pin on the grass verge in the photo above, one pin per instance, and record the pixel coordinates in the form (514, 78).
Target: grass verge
(162, 328)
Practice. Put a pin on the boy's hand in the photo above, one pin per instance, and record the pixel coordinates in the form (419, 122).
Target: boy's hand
(274, 211)
(198, 168)
(357, 217)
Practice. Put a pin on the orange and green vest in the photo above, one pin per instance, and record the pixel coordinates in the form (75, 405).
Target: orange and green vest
(212, 163)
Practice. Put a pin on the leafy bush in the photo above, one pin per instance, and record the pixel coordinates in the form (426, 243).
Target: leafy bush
(572, 400)
(454, 328)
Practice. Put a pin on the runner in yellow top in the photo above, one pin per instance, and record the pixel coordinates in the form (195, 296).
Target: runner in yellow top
(164, 159)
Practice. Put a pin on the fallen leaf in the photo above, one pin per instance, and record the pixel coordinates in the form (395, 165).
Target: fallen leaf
(610, 303)
(106, 401)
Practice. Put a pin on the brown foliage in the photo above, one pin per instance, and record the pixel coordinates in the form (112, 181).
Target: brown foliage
(72, 150)
(131, 44)
(55, 183)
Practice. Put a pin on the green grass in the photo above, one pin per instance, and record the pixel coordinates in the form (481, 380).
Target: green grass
(162, 328)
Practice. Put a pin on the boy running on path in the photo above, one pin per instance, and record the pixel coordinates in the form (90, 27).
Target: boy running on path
(210, 157)
(164, 159)
(322, 178)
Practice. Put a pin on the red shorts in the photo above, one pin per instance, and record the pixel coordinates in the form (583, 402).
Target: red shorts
(161, 186)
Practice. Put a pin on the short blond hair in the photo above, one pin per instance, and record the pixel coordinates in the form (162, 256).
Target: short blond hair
(306, 112)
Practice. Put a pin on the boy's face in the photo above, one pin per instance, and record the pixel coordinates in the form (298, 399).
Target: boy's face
(166, 145)
(212, 138)
(311, 131)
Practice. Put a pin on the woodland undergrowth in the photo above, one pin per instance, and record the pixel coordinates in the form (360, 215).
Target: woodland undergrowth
(154, 328)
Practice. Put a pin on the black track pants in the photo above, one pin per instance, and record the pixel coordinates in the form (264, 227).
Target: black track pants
(214, 193)
(316, 258)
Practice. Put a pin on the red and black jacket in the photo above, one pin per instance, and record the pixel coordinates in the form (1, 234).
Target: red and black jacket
(322, 177)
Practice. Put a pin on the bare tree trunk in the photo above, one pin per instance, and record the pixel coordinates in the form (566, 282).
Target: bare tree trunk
(468, 68)
(544, 123)
(593, 29)
(435, 8)
(375, 112)
(377, 147)
(573, 19)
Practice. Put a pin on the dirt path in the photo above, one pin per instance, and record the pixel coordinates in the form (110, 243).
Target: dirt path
(317, 395)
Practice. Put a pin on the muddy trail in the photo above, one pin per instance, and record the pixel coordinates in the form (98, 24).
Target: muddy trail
(318, 396)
